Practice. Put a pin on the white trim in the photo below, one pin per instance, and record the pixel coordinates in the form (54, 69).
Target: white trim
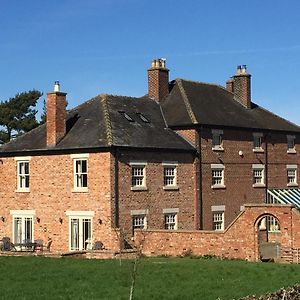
(80, 213)
(219, 208)
(80, 155)
(291, 166)
(258, 166)
(22, 158)
(139, 212)
(217, 166)
(170, 210)
(22, 212)
(137, 163)
(289, 136)
(169, 163)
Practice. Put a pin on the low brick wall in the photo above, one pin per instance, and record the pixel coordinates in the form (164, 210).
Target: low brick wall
(239, 240)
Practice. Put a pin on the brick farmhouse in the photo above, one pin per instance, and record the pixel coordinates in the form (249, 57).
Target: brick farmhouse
(189, 166)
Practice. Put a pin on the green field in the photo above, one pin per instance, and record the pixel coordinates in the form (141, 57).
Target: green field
(156, 278)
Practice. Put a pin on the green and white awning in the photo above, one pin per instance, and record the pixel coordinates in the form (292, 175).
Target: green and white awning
(284, 196)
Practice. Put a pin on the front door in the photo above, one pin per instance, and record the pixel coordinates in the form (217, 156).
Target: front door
(80, 233)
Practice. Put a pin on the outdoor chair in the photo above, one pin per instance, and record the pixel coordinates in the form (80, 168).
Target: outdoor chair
(7, 245)
(98, 246)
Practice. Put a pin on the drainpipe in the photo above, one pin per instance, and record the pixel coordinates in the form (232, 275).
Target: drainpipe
(266, 167)
(199, 142)
(116, 171)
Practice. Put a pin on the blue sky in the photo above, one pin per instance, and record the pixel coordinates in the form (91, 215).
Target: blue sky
(106, 46)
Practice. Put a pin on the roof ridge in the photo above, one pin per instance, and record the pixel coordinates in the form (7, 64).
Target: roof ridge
(186, 101)
(107, 121)
(202, 82)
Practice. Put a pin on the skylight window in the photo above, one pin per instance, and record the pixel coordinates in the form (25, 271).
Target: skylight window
(143, 118)
(126, 116)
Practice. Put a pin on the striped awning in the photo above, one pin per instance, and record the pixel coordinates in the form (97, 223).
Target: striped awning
(284, 196)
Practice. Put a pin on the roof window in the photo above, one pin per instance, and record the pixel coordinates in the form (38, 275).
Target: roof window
(126, 116)
(143, 118)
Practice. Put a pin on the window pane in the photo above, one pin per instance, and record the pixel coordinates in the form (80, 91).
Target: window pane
(74, 234)
(17, 230)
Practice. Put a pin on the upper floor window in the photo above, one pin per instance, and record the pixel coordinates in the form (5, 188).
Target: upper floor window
(22, 174)
(217, 172)
(138, 175)
(257, 142)
(291, 144)
(80, 162)
(258, 175)
(217, 140)
(291, 175)
(170, 175)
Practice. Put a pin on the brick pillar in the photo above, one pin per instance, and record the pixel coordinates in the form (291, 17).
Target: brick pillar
(56, 116)
(158, 80)
(242, 87)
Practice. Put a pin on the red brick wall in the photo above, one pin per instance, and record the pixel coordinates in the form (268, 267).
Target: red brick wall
(51, 183)
(238, 171)
(239, 240)
(155, 198)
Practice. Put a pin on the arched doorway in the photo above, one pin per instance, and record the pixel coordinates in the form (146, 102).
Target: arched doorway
(269, 237)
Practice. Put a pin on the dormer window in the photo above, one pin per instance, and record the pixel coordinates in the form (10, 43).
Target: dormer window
(291, 144)
(257, 142)
(217, 140)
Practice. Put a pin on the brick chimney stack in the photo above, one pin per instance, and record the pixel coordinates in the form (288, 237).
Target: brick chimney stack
(240, 86)
(56, 115)
(158, 80)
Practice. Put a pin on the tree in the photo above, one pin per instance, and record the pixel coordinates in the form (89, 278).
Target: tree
(18, 114)
(44, 113)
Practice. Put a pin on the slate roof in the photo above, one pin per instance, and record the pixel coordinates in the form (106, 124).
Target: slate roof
(197, 103)
(100, 123)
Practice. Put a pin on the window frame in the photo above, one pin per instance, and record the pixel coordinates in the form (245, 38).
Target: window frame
(23, 215)
(22, 176)
(81, 217)
(295, 181)
(257, 137)
(78, 175)
(218, 168)
(217, 134)
(291, 139)
(261, 168)
(173, 166)
(135, 178)
(171, 212)
(218, 223)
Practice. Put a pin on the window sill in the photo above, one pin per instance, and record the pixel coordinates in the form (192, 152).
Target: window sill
(291, 151)
(258, 150)
(220, 149)
(292, 184)
(218, 186)
(139, 188)
(171, 188)
(80, 190)
(22, 191)
(258, 185)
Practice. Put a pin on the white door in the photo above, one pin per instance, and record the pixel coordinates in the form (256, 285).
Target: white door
(80, 233)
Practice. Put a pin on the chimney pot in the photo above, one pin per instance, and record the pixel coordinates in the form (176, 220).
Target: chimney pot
(56, 86)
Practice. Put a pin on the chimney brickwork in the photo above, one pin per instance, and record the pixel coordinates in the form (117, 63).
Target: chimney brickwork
(56, 117)
(241, 86)
(158, 80)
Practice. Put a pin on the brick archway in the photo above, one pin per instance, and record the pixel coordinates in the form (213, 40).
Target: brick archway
(268, 237)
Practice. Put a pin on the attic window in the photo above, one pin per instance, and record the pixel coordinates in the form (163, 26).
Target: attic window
(143, 118)
(126, 116)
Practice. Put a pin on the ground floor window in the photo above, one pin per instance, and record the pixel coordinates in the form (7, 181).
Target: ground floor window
(139, 222)
(218, 221)
(23, 229)
(22, 226)
(171, 221)
(80, 230)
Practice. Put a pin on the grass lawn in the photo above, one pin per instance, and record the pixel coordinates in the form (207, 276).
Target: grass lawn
(157, 278)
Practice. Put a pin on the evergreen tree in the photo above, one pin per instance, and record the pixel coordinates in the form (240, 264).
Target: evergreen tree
(18, 114)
